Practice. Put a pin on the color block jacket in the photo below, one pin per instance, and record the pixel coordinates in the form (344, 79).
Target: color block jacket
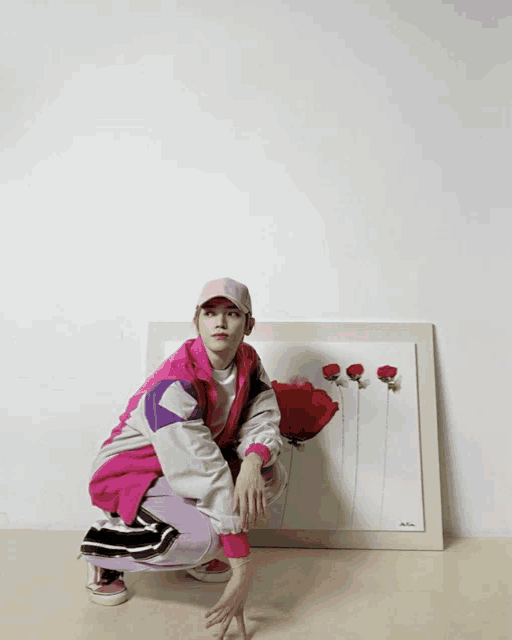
(164, 431)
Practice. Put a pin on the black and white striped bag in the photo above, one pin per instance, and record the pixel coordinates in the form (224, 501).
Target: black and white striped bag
(146, 538)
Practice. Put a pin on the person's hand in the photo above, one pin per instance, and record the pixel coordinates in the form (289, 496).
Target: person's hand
(249, 497)
(231, 603)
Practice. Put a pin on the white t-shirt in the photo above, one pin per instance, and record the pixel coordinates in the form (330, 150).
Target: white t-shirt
(225, 384)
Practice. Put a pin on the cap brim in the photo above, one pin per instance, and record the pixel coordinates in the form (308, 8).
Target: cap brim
(238, 305)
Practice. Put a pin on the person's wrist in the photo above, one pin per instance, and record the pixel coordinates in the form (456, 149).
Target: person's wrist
(240, 564)
(253, 459)
(243, 573)
(243, 568)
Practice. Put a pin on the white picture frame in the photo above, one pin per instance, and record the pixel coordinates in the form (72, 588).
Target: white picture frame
(313, 510)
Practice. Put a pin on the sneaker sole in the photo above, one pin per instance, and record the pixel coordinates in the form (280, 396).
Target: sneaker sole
(110, 600)
(210, 577)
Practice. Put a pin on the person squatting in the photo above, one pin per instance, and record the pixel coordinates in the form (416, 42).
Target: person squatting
(192, 464)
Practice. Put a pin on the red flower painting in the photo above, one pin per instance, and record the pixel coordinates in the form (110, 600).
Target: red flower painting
(355, 371)
(305, 410)
(387, 375)
(387, 372)
(331, 371)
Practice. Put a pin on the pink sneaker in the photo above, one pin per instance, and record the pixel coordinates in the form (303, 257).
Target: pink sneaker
(213, 571)
(105, 586)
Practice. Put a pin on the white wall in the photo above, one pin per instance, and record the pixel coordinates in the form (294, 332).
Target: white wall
(346, 160)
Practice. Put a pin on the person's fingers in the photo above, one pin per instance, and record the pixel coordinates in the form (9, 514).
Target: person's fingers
(241, 625)
(216, 615)
(259, 511)
(215, 620)
(263, 505)
(244, 511)
(250, 514)
(250, 510)
(257, 508)
(252, 506)
(225, 627)
(213, 610)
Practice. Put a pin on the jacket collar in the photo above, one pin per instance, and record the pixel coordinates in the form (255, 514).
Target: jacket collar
(246, 361)
(201, 360)
(203, 368)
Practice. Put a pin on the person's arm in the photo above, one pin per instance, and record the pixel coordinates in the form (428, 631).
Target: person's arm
(244, 566)
(259, 434)
(233, 599)
(260, 443)
(191, 461)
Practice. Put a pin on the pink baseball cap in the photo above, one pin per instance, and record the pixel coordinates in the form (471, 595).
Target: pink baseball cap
(235, 291)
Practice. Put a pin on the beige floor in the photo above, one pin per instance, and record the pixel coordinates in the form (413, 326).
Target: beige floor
(462, 593)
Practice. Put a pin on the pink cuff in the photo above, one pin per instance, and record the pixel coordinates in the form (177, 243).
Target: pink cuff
(261, 449)
(235, 545)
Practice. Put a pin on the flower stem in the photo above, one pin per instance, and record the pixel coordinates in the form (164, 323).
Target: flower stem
(385, 461)
(342, 445)
(357, 459)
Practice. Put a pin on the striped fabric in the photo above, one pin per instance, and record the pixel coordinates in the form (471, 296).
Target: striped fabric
(146, 538)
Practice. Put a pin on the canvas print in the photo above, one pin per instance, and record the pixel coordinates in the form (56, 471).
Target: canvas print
(350, 426)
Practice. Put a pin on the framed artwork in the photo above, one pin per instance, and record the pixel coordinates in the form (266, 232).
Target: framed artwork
(367, 476)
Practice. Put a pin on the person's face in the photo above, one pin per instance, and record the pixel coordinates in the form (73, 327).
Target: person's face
(221, 316)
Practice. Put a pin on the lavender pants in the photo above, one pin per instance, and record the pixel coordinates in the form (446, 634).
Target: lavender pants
(197, 543)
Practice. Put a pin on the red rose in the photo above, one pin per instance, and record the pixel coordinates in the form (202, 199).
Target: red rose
(355, 371)
(387, 372)
(331, 371)
(304, 410)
